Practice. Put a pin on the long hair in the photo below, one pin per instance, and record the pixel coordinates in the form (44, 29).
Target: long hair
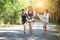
(46, 10)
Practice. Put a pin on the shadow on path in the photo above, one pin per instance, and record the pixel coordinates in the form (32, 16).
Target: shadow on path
(19, 35)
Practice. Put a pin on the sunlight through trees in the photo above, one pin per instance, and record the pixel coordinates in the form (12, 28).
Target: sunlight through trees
(10, 10)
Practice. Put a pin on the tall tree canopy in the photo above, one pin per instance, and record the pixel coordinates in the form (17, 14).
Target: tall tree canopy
(10, 10)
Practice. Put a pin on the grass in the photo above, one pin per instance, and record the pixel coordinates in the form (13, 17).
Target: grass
(57, 27)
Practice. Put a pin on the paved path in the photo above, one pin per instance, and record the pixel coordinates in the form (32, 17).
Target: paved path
(15, 32)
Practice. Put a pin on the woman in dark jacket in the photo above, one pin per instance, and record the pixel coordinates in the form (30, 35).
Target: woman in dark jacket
(24, 19)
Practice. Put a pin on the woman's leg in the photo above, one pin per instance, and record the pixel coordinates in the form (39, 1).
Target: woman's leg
(44, 28)
(24, 24)
(30, 26)
(24, 28)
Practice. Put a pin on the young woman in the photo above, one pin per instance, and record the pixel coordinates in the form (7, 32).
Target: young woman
(46, 17)
(30, 17)
(24, 19)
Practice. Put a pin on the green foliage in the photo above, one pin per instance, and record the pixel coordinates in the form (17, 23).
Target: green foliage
(10, 10)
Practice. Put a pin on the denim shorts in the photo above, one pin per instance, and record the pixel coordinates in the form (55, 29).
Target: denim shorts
(24, 21)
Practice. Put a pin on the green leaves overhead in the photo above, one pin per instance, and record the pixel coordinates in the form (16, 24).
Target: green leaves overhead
(10, 10)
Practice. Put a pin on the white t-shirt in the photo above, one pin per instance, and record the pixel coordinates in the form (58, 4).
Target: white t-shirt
(46, 15)
(23, 13)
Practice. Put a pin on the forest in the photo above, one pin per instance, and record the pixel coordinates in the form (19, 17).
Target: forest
(10, 10)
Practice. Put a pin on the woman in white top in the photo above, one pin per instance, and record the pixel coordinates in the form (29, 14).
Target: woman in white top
(30, 17)
(46, 17)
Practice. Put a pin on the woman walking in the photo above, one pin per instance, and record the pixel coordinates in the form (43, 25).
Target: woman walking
(24, 19)
(30, 17)
(46, 17)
